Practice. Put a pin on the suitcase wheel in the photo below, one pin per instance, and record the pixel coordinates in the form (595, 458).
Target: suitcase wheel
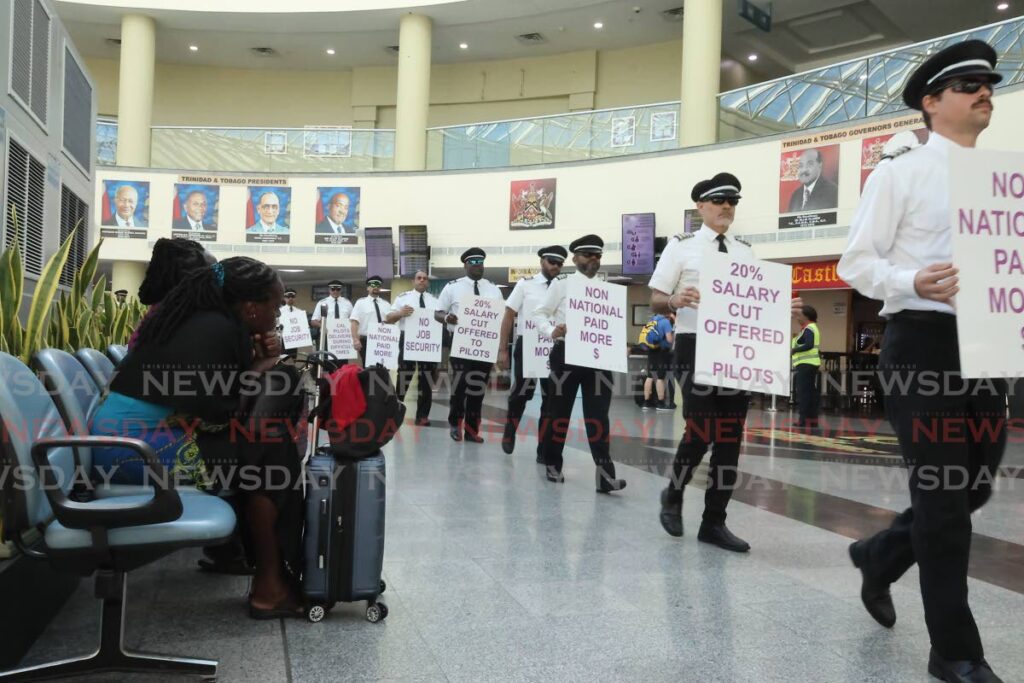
(376, 612)
(383, 587)
(316, 613)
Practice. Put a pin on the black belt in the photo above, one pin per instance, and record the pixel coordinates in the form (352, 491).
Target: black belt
(933, 317)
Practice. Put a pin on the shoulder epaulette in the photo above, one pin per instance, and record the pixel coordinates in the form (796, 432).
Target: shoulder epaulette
(682, 236)
(743, 241)
(562, 276)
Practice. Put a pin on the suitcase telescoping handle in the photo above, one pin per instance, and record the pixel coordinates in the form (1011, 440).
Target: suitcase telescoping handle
(321, 346)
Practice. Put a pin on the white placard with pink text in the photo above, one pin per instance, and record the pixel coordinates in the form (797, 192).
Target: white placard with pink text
(478, 331)
(294, 329)
(339, 338)
(536, 352)
(422, 337)
(595, 325)
(382, 345)
(986, 195)
(743, 324)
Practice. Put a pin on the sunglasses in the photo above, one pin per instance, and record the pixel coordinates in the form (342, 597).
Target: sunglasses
(718, 201)
(554, 261)
(335, 289)
(289, 296)
(475, 261)
(967, 87)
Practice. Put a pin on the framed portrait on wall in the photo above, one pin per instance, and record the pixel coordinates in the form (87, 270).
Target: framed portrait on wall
(663, 126)
(623, 131)
(194, 211)
(124, 213)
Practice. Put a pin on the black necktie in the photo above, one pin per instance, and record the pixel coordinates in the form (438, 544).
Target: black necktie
(476, 287)
(377, 308)
(337, 309)
(423, 304)
(548, 283)
(721, 244)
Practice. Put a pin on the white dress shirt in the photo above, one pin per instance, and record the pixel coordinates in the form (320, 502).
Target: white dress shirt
(365, 314)
(456, 289)
(344, 308)
(122, 223)
(412, 298)
(526, 296)
(901, 226)
(550, 312)
(195, 225)
(679, 267)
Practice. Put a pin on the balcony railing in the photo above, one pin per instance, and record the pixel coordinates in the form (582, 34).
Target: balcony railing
(548, 139)
(836, 94)
(852, 90)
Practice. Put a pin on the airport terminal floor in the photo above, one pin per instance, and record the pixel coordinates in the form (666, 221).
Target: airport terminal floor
(495, 574)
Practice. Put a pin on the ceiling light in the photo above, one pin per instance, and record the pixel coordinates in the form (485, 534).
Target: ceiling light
(291, 270)
(752, 57)
(463, 46)
(330, 50)
(194, 48)
(1003, 6)
(598, 25)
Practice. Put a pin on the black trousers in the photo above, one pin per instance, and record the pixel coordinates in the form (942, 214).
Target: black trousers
(713, 415)
(522, 392)
(596, 387)
(805, 386)
(952, 438)
(469, 384)
(427, 374)
(362, 351)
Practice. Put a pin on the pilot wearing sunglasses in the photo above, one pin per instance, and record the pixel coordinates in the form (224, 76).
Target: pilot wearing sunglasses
(708, 410)
(900, 251)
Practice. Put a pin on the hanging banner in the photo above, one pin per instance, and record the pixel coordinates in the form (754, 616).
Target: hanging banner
(294, 329)
(478, 333)
(743, 324)
(422, 336)
(595, 324)
(382, 345)
(986, 189)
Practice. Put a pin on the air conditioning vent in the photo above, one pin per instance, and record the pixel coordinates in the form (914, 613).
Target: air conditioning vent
(77, 112)
(531, 38)
(263, 52)
(30, 56)
(74, 213)
(674, 14)
(26, 199)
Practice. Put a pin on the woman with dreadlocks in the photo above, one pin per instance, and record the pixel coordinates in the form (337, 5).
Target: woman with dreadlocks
(206, 357)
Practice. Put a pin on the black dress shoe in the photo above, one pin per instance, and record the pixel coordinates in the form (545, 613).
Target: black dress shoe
(719, 534)
(555, 477)
(508, 438)
(422, 421)
(455, 433)
(671, 513)
(474, 437)
(873, 593)
(610, 485)
(961, 671)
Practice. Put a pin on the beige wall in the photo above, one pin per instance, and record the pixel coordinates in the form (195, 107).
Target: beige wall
(365, 96)
(833, 307)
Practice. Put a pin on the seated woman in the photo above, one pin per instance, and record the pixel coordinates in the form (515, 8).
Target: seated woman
(193, 383)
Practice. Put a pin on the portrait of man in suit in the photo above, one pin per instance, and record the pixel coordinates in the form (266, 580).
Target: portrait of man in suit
(195, 210)
(125, 204)
(815, 191)
(336, 215)
(268, 208)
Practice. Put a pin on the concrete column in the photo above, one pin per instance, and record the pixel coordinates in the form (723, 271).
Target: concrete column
(413, 101)
(128, 275)
(702, 56)
(135, 90)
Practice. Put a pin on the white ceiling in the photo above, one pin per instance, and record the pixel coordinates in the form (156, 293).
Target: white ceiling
(805, 33)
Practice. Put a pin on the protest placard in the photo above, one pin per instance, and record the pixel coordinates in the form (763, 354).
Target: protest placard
(595, 324)
(382, 345)
(339, 338)
(743, 324)
(294, 329)
(986, 189)
(422, 340)
(477, 334)
(536, 353)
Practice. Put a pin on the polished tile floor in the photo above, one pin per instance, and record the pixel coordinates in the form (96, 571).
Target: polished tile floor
(496, 575)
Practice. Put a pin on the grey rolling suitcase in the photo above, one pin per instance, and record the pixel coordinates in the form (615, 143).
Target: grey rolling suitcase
(344, 537)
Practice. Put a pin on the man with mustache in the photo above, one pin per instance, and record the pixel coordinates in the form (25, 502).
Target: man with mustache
(900, 251)
(815, 192)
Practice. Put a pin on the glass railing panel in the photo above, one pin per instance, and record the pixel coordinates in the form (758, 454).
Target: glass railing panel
(855, 89)
(106, 142)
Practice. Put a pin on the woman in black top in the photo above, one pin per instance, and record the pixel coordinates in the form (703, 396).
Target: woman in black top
(201, 364)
